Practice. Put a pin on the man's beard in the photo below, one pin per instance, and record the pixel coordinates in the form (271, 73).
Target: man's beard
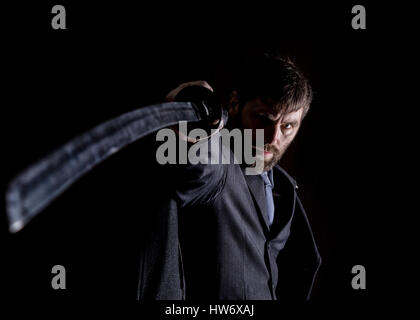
(277, 155)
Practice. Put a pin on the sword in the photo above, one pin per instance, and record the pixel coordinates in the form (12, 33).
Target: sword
(36, 187)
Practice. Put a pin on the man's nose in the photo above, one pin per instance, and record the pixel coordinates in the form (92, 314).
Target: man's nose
(272, 134)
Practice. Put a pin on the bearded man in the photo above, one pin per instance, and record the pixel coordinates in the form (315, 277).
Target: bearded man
(229, 235)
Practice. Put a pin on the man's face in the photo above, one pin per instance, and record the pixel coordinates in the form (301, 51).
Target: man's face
(279, 129)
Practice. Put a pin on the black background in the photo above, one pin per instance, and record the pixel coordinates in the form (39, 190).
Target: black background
(116, 57)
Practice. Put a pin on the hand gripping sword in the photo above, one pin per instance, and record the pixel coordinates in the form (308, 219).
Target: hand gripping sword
(36, 187)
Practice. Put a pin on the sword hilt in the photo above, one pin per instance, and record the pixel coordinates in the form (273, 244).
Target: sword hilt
(206, 104)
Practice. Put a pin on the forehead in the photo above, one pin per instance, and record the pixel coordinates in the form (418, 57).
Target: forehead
(275, 111)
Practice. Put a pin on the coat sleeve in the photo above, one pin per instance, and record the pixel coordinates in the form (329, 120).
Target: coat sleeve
(200, 184)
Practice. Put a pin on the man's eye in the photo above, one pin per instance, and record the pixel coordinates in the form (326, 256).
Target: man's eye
(288, 126)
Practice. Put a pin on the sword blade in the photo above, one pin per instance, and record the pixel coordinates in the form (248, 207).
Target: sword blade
(36, 187)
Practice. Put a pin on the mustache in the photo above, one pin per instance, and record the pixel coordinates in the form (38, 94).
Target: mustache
(268, 148)
(271, 148)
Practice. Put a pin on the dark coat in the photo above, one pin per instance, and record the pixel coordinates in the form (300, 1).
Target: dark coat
(209, 238)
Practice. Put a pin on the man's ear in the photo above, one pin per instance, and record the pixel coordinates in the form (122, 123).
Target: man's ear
(233, 103)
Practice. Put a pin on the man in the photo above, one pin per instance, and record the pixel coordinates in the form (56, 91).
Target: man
(228, 235)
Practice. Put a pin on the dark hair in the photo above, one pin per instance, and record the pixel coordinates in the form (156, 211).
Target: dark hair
(275, 79)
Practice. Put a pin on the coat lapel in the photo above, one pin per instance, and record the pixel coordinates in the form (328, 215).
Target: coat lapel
(256, 187)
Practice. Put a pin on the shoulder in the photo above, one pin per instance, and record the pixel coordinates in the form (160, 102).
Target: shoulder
(278, 171)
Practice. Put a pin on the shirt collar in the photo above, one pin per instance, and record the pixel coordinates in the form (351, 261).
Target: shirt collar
(270, 176)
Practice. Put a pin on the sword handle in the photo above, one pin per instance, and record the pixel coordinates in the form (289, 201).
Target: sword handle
(206, 104)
